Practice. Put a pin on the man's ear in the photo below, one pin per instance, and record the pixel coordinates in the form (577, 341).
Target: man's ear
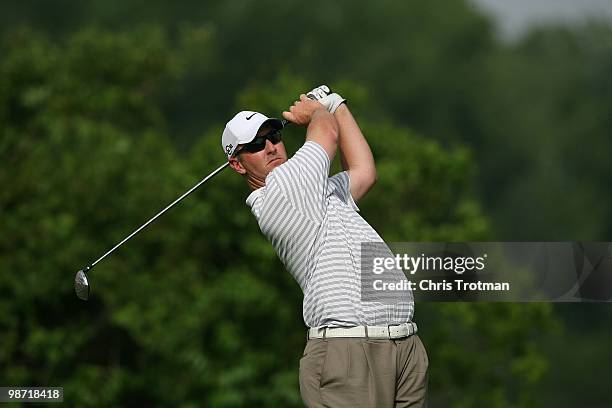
(237, 166)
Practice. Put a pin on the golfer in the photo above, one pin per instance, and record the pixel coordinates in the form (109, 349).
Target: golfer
(359, 353)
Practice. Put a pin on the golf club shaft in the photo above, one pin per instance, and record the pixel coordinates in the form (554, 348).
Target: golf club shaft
(158, 214)
(143, 226)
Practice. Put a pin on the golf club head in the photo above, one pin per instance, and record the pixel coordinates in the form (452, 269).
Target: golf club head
(81, 285)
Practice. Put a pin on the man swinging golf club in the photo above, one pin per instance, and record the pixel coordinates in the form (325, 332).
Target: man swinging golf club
(359, 353)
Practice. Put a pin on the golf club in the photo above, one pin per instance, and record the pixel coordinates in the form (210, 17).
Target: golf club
(82, 286)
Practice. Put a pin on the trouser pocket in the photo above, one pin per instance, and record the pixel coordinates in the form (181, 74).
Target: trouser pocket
(311, 368)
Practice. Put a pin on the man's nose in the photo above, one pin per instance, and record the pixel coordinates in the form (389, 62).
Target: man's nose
(270, 147)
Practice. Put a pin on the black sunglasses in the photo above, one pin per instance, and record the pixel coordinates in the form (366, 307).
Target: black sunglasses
(259, 143)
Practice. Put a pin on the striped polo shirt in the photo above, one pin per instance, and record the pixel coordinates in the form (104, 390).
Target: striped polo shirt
(313, 224)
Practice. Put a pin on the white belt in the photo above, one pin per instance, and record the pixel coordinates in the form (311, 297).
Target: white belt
(395, 331)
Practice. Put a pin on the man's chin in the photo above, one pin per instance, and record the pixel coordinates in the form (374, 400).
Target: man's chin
(276, 162)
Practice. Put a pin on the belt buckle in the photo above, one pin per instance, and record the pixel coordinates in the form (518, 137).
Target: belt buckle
(398, 336)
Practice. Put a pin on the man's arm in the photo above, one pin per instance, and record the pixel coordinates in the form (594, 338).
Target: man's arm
(303, 179)
(355, 153)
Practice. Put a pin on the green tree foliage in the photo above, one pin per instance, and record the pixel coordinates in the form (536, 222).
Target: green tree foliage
(422, 62)
(197, 310)
(533, 113)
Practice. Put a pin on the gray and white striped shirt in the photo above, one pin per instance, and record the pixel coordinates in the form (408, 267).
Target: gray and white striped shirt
(312, 222)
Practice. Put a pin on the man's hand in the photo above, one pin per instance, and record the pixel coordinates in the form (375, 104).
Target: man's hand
(322, 126)
(330, 100)
(301, 112)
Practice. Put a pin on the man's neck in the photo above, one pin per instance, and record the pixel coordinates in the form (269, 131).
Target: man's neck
(255, 183)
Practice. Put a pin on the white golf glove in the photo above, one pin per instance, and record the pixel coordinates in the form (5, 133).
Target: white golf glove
(325, 97)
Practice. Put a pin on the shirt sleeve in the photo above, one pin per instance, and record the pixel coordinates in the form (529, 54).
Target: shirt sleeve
(303, 180)
(340, 184)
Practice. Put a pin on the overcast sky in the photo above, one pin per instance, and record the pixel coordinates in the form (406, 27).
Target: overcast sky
(515, 16)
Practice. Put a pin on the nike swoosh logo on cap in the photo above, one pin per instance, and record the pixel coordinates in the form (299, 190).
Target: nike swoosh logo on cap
(249, 117)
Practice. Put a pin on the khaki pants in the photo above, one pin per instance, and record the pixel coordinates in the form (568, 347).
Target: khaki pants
(361, 372)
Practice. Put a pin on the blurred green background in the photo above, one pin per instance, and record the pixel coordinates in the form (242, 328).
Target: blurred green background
(111, 109)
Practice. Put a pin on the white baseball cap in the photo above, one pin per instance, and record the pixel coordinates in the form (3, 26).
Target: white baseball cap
(243, 128)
